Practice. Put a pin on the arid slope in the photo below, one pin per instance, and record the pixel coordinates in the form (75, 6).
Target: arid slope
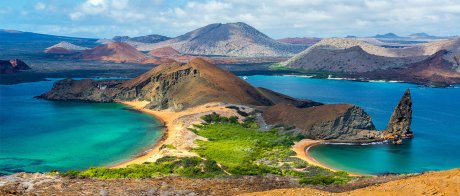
(231, 39)
(115, 52)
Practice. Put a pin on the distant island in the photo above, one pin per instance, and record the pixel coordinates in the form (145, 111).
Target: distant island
(434, 64)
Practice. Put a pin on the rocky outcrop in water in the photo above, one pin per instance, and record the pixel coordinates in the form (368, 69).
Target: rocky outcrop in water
(173, 86)
(342, 122)
(83, 90)
(12, 66)
(400, 121)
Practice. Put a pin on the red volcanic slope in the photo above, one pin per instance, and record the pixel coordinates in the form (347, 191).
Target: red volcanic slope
(164, 52)
(116, 52)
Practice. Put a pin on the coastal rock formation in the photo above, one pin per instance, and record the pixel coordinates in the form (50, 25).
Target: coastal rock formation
(173, 86)
(430, 63)
(349, 60)
(177, 86)
(435, 70)
(119, 52)
(342, 122)
(231, 39)
(12, 66)
(64, 48)
(83, 90)
(400, 121)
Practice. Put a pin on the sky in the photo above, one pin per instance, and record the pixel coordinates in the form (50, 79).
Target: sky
(276, 18)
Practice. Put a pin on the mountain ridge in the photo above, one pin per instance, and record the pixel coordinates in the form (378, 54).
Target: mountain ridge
(230, 39)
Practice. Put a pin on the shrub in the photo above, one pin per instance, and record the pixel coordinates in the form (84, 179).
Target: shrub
(170, 146)
(323, 180)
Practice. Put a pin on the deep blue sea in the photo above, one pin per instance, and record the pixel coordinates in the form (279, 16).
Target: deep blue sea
(436, 123)
(40, 135)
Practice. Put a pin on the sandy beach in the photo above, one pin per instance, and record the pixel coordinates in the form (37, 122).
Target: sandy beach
(177, 134)
(176, 130)
(301, 149)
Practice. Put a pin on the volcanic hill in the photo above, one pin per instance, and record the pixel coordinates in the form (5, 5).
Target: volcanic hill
(64, 48)
(119, 52)
(358, 59)
(231, 39)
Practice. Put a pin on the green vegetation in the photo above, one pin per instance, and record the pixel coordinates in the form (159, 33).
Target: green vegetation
(194, 167)
(233, 148)
(241, 149)
(170, 146)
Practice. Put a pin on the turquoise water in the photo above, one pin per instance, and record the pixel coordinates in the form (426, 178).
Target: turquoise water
(436, 123)
(40, 135)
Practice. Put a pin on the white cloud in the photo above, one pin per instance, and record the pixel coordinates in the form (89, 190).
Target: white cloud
(276, 18)
(39, 6)
(76, 15)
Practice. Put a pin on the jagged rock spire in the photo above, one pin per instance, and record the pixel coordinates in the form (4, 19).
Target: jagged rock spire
(400, 121)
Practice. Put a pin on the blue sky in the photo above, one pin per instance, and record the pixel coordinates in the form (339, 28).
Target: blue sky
(278, 19)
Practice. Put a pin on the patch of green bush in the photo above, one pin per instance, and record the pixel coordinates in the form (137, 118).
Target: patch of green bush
(242, 149)
(170, 146)
(323, 180)
(216, 118)
(193, 167)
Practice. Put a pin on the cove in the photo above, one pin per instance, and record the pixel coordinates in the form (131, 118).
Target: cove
(435, 123)
(39, 135)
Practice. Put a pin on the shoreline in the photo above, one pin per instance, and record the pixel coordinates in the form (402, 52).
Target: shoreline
(301, 149)
(175, 131)
(167, 117)
(155, 148)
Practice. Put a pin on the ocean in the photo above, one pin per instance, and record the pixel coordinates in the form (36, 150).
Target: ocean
(38, 135)
(436, 123)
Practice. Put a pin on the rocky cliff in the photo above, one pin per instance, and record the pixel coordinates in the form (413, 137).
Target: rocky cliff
(400, 121)
(83, 90)
(433, 63)
(341, 122)
(328, 122)
(349, 60)
(435, 70)
(12, 66)
(174, 86)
